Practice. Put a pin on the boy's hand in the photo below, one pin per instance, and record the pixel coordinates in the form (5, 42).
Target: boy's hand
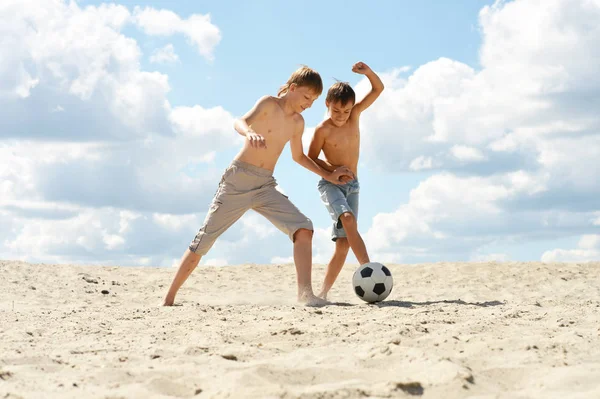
(345, 179)
(336, 176)
(256, 140)
(361, 68)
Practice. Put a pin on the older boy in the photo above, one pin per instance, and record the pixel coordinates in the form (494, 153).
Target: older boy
(248, 182)
(339, 139)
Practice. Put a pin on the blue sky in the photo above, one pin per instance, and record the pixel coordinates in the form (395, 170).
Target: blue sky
(476, 151)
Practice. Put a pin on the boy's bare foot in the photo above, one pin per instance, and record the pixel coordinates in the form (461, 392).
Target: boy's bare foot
(312, 300)
(168, 302)
(323, 295)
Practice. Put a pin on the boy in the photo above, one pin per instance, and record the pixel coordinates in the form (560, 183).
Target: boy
(339, 139)
(248, 182)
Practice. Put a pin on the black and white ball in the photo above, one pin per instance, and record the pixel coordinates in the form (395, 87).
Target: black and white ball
(372, 282)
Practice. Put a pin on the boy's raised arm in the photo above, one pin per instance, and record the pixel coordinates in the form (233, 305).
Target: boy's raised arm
(376, 87)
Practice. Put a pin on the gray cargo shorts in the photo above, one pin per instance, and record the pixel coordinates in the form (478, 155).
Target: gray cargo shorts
(243, 187)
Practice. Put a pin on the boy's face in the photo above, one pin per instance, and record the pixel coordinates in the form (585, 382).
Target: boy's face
(303, 97)
(339, 113)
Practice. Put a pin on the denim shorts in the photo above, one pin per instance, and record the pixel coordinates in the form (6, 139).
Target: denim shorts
(339, 199)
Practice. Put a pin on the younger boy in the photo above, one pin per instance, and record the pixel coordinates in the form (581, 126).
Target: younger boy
(248, 182)
(339, 139)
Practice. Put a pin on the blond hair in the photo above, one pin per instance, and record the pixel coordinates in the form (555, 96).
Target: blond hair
(303, 76)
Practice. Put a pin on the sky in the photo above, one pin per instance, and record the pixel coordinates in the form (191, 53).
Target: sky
(116, 124)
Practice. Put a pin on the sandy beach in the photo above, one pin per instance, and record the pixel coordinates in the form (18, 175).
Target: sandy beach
(448, 330)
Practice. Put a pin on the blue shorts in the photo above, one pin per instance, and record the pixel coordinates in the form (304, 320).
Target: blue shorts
(339, 199)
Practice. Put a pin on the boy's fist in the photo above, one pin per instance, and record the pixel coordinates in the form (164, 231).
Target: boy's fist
(361, 68)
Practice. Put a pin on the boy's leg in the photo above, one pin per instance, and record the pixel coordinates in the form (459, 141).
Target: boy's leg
(355, 241)
(188, 263)
(342, 205)
(335, 265)
(224, 211)
(303, 262)
(284, 215)
(347, 224)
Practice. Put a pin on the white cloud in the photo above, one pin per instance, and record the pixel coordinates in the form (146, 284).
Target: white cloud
(164, 55)
(590, 241)
(113, 241)
(421, 163)
(515, 144)
(490, 257)
(529, 92)
(466, 153)
(307, 136)
(98, 236)
(115, 135)
(215, 262)
(282, 260)
(205, 128)
(71, 59)
(588, 250)
(175, 222)
(322, 249)
(95, 165)
(197, 28)
(386, 257)
(450, 214)
(255, 226)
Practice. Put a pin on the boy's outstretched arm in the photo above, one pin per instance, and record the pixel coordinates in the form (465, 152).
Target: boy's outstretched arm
(314, 150)
(243, 125)
(299, 157)
(376, 87)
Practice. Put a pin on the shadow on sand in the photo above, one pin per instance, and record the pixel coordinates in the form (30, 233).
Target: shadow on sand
(408, 304)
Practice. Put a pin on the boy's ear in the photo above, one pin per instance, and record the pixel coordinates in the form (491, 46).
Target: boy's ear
(293, 87)
(327, 103)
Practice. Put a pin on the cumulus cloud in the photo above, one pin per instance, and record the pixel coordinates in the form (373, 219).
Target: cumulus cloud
(466, 153)
(588, 249)
(75, 60)
(514, 145)
(95, 164)
(197, 28)
(323, 249)
(493, 257)
(89, 236)
(164, 55)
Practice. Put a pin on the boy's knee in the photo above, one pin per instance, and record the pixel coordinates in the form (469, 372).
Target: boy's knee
(348, 221)
(303, 235)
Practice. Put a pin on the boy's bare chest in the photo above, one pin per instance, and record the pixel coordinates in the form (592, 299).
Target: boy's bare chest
(276, 128)
(343, 139)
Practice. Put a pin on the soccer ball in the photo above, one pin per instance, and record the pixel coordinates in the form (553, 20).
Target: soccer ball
(372, 282)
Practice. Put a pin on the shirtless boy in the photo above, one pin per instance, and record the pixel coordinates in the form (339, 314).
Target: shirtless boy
(339, 139)
(248, 183)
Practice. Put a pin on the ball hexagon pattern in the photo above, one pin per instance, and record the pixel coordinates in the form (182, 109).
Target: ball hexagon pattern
(372, 282)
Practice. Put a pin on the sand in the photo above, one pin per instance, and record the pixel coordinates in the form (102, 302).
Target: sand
(448, 330)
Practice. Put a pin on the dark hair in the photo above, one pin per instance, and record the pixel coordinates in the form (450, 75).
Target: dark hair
(341, 92)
